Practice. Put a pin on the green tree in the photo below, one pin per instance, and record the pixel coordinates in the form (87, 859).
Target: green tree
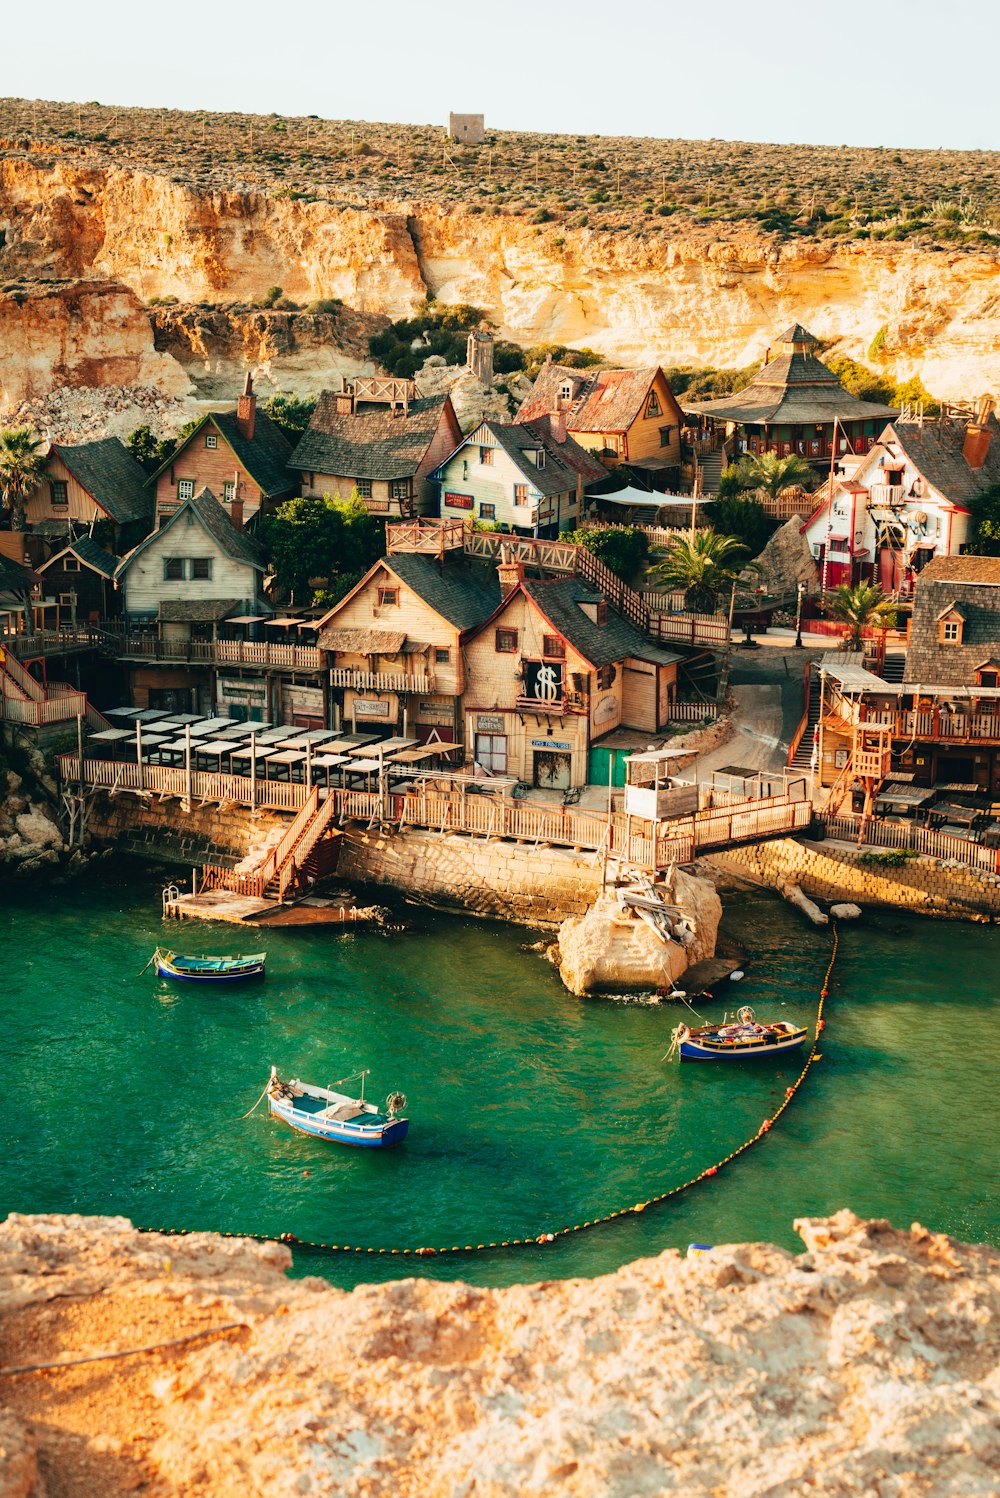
(621, 551)
(321, 538)
(773, 475)
(289, 412)
(21, 462)
(984, 531)
(704, 568)
(859, 607)
(745, 518)
(148, 450)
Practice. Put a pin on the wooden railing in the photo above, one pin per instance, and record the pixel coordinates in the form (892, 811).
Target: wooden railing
(380, 681)
(218, 652)
(427, 536)
(651, 845)
(692, 712)
(919, 839)
(937, 724)
(23, 680)
(618, 593)
(690, 629)
(53, 641)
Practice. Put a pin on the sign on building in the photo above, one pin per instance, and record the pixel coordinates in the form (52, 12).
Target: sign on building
(371, 707)
(543, 680)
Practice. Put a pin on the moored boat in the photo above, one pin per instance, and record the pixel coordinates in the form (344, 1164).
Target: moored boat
(739, 1039)
(336, 1116)
(208, 969)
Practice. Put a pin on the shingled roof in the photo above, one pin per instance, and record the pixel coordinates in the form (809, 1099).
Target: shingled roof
(236, 545)
(265, 455)
(599, 644)
(458, 590)
(111, 476)
(381, 442)
(13, 577)
(604, 400)
(970, 585)
(558, 476)
(87, 551)
(796, 388)
(935, 450)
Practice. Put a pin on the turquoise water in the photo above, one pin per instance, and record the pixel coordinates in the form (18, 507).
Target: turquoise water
(529, 1108)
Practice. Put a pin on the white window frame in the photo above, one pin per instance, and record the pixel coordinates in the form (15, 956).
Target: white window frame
(185, 490)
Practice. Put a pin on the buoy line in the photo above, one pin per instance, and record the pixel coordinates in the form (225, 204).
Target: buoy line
(564, 1232)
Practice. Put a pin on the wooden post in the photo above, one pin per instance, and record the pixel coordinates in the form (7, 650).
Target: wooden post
(187, 764)
(309, 768)
(138, 750)
(79, 743)
(253, 770)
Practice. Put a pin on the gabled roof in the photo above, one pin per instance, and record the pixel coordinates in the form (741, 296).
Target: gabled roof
(952, 608)
(376, 443)
(559, 601)
(931, 662)
(115, 481)
(236, 545)
(935, 450)
(265, 456)
(604, 400)
(13, 577)
(458, 590)
(568, 450)
(559, 473)
(87, 551)
(795, 388)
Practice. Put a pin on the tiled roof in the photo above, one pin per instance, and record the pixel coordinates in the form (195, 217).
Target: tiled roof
(793, 389)
(265, 457)
(929, 663)
(376, 443)
(110, 475)
(89, 553)
(459, 591)
(604, 400)
(599, 644)
(935, 450)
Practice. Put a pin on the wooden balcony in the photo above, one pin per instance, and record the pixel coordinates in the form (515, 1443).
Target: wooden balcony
(938, 725)
(263, 653)
(569, 702)
(381, 681)
(886, 496)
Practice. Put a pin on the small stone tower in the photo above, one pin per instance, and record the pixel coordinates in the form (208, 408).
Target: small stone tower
(479, 358)
(469, 129)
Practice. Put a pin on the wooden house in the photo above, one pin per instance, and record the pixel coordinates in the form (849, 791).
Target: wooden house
(241, 456)
(527, 478)
(394, 644)
(794, 404)
(380, 439)
(179, 584)
(87, 483)
(629, 418)
(907, 502)
(552, 671)
(77, 584)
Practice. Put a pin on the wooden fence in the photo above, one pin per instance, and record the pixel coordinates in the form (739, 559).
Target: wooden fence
(649, 845)
(693, 712)
(919, 839)
(711, 630)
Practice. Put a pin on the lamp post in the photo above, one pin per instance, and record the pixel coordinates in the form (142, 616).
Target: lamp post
(798, 616)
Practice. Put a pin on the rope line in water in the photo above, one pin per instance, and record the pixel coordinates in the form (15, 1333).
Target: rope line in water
(578, 1227)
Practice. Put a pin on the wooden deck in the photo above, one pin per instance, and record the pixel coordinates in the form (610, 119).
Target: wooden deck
(249, 910)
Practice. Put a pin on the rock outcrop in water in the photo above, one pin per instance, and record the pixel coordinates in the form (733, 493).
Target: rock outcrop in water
(867, 1365)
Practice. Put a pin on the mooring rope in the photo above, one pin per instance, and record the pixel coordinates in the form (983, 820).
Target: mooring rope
(426, 1251)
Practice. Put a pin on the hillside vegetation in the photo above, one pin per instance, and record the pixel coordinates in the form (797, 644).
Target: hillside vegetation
(949, 198)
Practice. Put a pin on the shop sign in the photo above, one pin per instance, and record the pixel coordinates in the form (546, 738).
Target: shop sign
(543, 680)
(458, 501)
(435, 712)
(244, 693)
(489, 723)
(370, 707)
(606, 708)
(550, 744)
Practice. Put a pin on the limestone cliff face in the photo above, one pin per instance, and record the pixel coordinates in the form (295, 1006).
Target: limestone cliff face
(866, 1365)
(83, 333)
(634, 296)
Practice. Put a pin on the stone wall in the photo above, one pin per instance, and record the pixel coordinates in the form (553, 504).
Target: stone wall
(160, 830)
(508, 881)
(834, 871)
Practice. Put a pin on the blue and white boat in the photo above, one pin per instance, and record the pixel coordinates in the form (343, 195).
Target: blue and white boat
(736, 1039)
(336, 1116)
(208, 969)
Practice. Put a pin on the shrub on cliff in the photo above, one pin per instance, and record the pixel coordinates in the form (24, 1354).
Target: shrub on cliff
(289, 412)
(402, 348)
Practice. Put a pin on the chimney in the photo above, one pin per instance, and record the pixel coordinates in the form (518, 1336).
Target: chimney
(246, 410)
(976, 444)
(767, 355)
(557, 425)
(510, 571)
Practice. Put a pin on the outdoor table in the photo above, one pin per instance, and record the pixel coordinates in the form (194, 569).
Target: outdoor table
(111, 735)
(236, 731)
(215, 725)
(150, 715)
(950, 811)
(388, 746)
(958, 790)
(289, 757)
(270, 735)
(329, 762)
(262, 752)
(366, 767)
(295, 741)
(181, 718)
(355, 740)
(201, 727)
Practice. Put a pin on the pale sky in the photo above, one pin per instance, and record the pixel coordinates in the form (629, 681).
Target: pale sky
(857, 72)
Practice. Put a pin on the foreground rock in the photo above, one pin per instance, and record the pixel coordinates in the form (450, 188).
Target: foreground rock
(867, 1365)
(611, 948)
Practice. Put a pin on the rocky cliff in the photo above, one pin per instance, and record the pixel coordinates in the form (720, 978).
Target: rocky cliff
(866, 1365)
(685, 298)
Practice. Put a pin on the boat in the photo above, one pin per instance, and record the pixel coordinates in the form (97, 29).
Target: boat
(208, 969)
(739, 1038)
(336, 1116)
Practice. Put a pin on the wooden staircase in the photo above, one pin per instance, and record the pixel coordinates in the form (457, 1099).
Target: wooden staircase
(307, 851)
(28, 702)
(802, 758)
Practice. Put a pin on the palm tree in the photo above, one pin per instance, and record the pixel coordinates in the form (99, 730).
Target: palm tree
(20, 470)
(772, 475)
(859, 607)
(704, 567)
